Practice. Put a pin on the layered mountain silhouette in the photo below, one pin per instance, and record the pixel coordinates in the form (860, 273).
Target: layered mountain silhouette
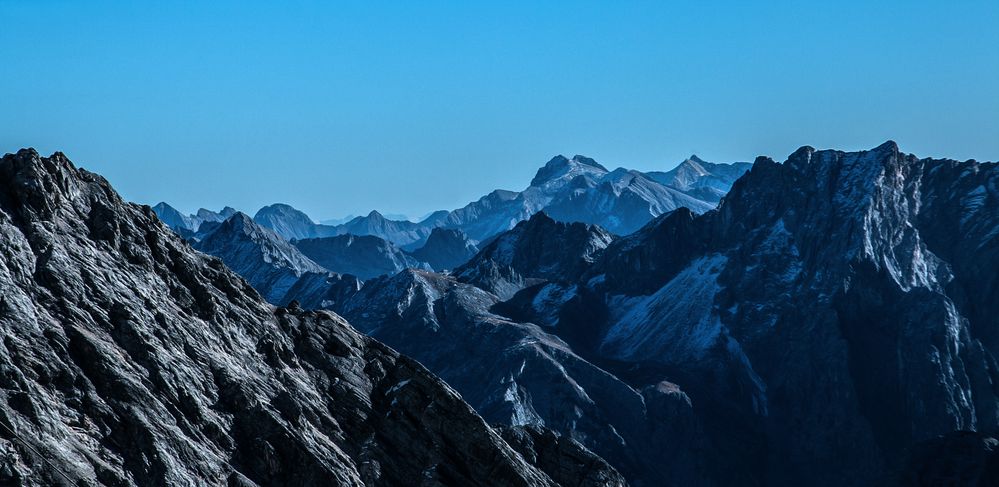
(832, 322)
(130, 358)
(569, 190)
(828, 320)
(189, 224)
(576, 189)
(445, 249)
(364, 256)
(833, 308)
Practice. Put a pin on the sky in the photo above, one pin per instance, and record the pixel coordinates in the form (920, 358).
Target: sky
(407, 107)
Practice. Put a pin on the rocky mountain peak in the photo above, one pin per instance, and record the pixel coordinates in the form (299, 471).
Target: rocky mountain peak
(539, 248)
(242, 223)
(172, 217)
(587, 161)
(286, 220)
(39, 185)
(695, 164)
(446, 248)
(282, 209)
(560, 170)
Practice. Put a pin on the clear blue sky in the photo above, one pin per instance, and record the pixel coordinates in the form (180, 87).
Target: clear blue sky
(341, 107)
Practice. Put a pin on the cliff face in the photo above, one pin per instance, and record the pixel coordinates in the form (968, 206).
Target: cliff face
(834, 312)
(835, 307)
(520, 374)
(130, 359)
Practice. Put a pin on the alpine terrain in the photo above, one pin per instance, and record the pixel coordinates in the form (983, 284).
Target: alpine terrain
(831, 322)
(129, 358)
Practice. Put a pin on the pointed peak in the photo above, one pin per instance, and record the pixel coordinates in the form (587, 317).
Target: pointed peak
(587, 161)
(375, 215)
(28, 153)
(888, 146)
(558, 160)
(240, 218)
(559, 167)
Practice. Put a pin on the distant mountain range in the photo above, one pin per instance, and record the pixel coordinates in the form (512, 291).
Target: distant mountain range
(577, 189)
(569, 190)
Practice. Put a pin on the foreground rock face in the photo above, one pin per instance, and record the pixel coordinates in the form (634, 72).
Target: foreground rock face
(130, 359)
(561, 457)
(964, 458)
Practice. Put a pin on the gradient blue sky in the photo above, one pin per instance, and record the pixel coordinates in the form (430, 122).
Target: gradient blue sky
(341, 107)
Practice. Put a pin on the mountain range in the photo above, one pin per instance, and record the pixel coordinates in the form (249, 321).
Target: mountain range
(131, 359)
(577, 189)
(828, 320)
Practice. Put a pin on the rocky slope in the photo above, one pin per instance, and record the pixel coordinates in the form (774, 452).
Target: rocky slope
(535, 250)
(274, 267)
(362, 256)
(834, 308)
(130, 359)
(834, 313)
(962, 458)
(445, 249)
(831, 322)
(188, 224)
(520, 374)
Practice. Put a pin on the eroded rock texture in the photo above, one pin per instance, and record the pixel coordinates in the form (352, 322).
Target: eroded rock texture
(130, 359)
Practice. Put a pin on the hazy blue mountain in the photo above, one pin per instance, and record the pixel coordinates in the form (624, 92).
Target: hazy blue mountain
(190, 223)
(576, 189)
(364, 256)
(403, 233)
(580, 189)
(705, 180)
(337, 221)
(390, 216)
(445, 249)
(270, 264)
(291, 223)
